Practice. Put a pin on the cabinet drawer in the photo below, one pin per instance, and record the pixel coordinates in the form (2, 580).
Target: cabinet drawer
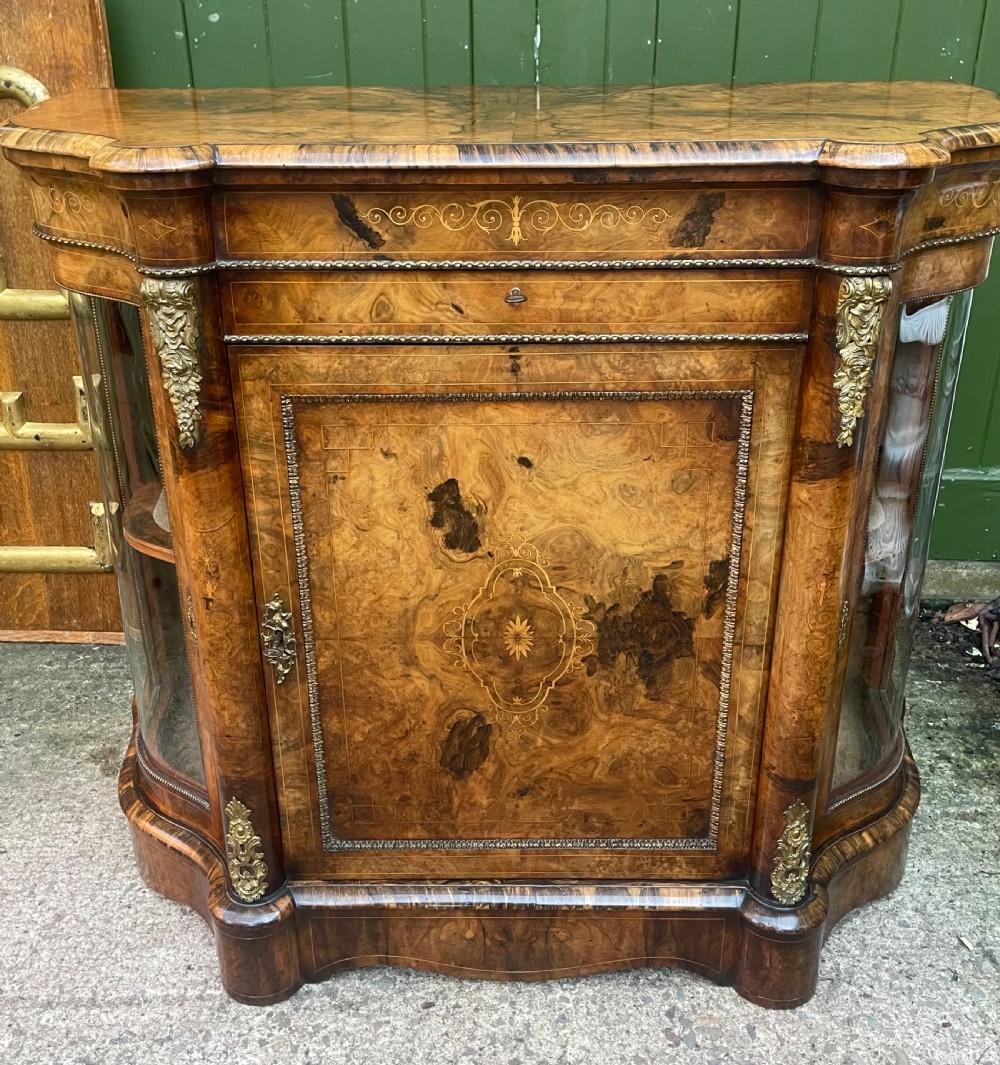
(533, 223)
(455, 303)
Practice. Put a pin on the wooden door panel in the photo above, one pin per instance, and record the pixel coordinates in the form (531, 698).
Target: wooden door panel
(533, 618)
(44, 495)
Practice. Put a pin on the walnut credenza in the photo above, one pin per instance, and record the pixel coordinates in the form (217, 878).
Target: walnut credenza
(520, 502)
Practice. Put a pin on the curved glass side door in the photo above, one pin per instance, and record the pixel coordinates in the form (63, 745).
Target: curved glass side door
(922, 391)
(110, 335)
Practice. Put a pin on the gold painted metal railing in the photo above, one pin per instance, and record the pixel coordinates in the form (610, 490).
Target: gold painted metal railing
(16, 431)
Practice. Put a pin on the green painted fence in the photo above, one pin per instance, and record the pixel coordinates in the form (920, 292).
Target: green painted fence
(436, 42)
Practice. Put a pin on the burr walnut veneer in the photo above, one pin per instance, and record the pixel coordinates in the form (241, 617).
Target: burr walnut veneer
(520, 501)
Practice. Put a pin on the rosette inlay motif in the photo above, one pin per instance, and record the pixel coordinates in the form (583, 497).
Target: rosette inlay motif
(518, 636)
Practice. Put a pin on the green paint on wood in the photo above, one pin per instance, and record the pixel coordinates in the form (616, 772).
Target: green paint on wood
(448, 42)
(855, 40)
(630, 45)
(385, 41)
(938, 41)
(306, 42)
(967, 520)
(775, 40)
(246, 42)
(977, 383)
(572, 41)
(695, 42)
(149, 45)
(227, 42)
(503, 42)
(987, 71)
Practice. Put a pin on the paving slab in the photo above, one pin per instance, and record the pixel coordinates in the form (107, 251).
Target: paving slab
(97, 970)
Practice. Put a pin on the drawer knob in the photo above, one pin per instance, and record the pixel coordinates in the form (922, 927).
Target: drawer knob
(515, 296)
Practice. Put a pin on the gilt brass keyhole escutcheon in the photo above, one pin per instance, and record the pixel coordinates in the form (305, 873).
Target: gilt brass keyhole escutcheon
(277, 636)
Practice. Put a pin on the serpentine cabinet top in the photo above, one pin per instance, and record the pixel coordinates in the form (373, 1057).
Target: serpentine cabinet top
(867, 126)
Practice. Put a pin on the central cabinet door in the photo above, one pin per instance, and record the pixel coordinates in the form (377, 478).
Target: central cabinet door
(531, 592)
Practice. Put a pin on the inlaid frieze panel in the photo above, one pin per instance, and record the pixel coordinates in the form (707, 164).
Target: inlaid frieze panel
(496, 223)
(76, 209)
(963, 201)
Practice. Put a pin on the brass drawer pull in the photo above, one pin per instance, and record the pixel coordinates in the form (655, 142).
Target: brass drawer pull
(515, 297)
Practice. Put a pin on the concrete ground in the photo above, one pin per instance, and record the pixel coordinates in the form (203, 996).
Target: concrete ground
(97, 970)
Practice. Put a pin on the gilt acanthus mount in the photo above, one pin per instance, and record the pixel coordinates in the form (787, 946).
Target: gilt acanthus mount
(860, 308)
(173, 324)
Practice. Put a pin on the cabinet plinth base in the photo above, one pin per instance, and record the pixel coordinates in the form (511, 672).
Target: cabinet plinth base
(519, 930)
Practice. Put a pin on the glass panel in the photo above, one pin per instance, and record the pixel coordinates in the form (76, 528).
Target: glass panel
(110, 336)
(922, 391)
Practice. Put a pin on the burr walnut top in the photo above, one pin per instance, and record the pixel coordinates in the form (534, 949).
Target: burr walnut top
(862, 125)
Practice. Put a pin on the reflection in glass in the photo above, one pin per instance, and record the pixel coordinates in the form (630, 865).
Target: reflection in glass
(921, 393)
(110, 337)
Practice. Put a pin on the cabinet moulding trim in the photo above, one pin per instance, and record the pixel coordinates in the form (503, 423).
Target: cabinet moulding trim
(519, 338)
(513, 264)
(333, 844)
(877, 783)
(142, 757)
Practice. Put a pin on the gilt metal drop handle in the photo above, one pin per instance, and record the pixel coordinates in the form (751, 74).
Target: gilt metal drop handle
(277, 634)
(515, 296)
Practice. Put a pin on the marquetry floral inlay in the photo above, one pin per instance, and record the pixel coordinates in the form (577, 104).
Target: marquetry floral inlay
(518, 636)
(535, 215)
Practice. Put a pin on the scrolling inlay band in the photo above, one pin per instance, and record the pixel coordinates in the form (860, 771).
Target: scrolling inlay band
(244, 853)
(790, 876)
(538, 215)
(173, 323)
(860, 308)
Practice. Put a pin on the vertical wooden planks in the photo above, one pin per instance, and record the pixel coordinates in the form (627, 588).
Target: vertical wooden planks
(775, 40)
(938, 40)
(630, 46)
(967, 520)
(503, 42)
(983, 350)
(855, 40)
(385, 42)
(571, 42)
(306, 40)
(227, 42)
(149, 44)
(695, 42)
(448, 42)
